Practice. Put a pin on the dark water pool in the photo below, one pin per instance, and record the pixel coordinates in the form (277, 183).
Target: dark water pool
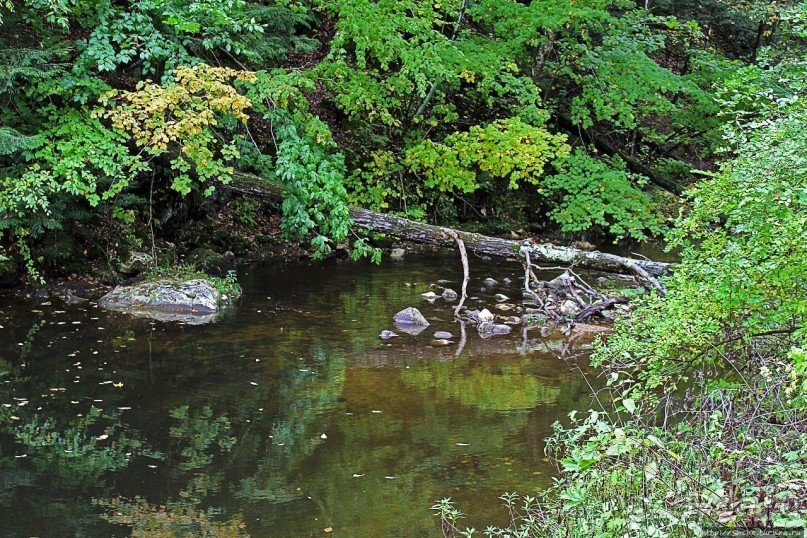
(287, 417)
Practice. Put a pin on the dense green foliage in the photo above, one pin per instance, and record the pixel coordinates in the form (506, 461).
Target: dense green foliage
(702, 427)
(120, 122)
(575, 117)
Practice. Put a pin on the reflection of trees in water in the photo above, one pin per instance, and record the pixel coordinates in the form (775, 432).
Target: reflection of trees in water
(303, 396)
(224, 447)
(55, 438)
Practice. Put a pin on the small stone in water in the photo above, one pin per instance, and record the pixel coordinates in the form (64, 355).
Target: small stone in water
(449, 294)
(489, 282)
(386, 335)
(443, 334)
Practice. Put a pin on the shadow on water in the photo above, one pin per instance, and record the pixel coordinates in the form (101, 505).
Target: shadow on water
(288, 417)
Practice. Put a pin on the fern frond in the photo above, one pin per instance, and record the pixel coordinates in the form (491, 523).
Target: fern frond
(25, 63)
(12, 141)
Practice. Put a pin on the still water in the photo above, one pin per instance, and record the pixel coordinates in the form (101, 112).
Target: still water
(287, 417)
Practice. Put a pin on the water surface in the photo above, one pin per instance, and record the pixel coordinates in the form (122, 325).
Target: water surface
(287, 417)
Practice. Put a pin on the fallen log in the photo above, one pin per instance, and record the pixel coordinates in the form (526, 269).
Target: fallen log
(480, 244)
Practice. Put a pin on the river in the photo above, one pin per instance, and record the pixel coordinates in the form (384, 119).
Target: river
(288, 417)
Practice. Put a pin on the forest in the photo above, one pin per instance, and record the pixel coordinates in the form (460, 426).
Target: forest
(125, 126)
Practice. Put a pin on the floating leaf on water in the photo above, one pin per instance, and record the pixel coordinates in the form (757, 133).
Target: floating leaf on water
(102, 437)
(117, 385)
(376, 411)
(328, 529)
(323, 436)
(22, 456)
(357, 475)
(253, 383)
(390, 477)
(124, 408)
(152, 466)
(13, 417)
(463, 444)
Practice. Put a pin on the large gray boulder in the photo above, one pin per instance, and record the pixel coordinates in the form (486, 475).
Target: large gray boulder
(194, 301)
(410, 321)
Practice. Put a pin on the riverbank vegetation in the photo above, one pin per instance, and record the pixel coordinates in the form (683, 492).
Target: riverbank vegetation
(122, 123)
(703, 425)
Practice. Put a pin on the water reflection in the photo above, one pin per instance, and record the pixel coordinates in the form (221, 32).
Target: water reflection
(287, 417)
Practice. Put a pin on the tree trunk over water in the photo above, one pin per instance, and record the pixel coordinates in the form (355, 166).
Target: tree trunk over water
(477, 243)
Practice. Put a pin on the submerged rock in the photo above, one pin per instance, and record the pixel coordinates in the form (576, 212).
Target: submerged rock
(487, 329)
(490, 282)
(194, 301)
(410, 321)
(386, 335)
(443, 335)
(397, 254)
(449, 294)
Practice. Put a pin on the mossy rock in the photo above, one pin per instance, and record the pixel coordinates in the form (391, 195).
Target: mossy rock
(193, 301)
(211, 262)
